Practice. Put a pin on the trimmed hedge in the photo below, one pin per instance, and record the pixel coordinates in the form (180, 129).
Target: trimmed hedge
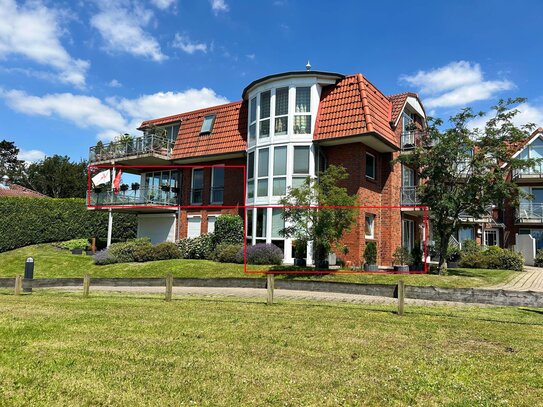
(28, 221)
(492, 257)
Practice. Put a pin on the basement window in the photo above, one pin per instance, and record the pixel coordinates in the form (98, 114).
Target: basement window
(207, 125)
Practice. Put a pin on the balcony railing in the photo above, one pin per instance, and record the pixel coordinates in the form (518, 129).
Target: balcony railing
(412, 139)
(140, 197)
(409, 196)
(142, 145)
(529, 173)
(531, 212)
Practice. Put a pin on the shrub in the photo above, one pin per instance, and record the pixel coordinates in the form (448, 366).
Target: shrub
(103, 257)
(401, 256)
(74, 244)
(124, 252)
(509, 260)
(493, 257)
(228, 229)
(166, 251)
(473, 260)
(144, 253)
(370, 253)
(300, 249)
(200, 247)
(453, 254)
(263, 254)
(228, 253)
(539, 258)
(27, 221)
(417, 254)
(470, 246)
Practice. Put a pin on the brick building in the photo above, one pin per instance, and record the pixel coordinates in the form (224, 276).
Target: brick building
(286, 127)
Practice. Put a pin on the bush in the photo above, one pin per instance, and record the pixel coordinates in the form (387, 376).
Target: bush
(263, 254)
(539, 258)
(417, 255)
(200, 247)
(470, 246)
(103, 257)
(166, 251)
(473, 261)
(27, 221)
(370, 253)
(229, 253)
(228, 229)
(509, 260)
(493, 257)
(124, 252)
(402, 257)
(74, 244)
(453, 254)
(137, 250)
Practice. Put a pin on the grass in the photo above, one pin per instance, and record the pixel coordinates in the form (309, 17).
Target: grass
(58, 349)
(51, 262)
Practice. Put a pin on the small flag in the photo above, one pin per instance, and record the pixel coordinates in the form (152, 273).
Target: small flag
(117, 182)
(101, 178)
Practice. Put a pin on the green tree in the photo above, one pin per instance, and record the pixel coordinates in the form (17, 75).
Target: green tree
(324, 227)
(10, 165)
(57, 177)
(466, 169)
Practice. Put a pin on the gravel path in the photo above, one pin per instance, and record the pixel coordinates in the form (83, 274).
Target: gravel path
(278, 294)
(530, 280)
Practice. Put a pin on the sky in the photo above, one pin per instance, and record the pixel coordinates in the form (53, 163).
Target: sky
(74, 72)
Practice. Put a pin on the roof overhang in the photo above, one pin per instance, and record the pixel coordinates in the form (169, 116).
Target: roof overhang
(373, 140)
(327, 77)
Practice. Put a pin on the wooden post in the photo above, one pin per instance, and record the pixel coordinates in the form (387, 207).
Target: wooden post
(93, 245)
(401, 296)
(169, 286)
(86, 285)
(270, 285)
(18, 285)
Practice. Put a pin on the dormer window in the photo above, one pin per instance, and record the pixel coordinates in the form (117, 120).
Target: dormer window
(207, 125)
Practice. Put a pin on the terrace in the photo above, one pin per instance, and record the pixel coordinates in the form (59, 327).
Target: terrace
(135, 197)
(149, 146)
(531, 212)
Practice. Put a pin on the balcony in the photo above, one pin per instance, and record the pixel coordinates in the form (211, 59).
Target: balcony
(528, 174)
(411, 139)
(140, 197)
(531, 212)
(409, 196)
(137, 147)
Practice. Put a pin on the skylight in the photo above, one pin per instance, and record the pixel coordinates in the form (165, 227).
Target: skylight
(207, 124)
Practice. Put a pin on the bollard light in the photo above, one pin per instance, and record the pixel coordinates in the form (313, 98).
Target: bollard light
(29, 273)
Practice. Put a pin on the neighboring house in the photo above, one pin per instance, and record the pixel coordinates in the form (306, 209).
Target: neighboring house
(286, 127)
(7, 188)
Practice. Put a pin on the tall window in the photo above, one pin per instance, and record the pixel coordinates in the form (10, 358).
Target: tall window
(263, 164)
(281, 111)
(408, 177)
(369, 226)
(252, 119)
(302, 118)
(217, 185)
(300, 165)
(251, 176)
(196, 196)
(265, 114)
(370, 166)
(249, 221)
(261, 223)
(279, 171)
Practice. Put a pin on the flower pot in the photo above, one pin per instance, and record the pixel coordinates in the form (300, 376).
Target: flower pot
(89, 252)
(402, 268)
(371, 267)
(77, 251)
(323, 265)
(300, 262)
(452, 264)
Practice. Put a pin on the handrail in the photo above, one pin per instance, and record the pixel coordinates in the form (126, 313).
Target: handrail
(149, 143)
(142, 196)
(530, 212)
(409, 196)
(532, 172)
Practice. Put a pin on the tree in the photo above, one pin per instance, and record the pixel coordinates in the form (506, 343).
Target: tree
(324, 227)
(57, 177)
(10, 165)
(466, 170)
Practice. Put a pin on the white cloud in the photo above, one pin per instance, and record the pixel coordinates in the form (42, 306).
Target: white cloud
(219, 6)
(456, 84)
(121, 26)
(184, 43)
(30, 156)
(113, 116)
(528, 113)
(34, 31)
(163, 4)
(114, 83)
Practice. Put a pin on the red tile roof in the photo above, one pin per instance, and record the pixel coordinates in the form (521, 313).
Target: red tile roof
(229, 133)
(353, 106)
(521, 144)
(19, 190)
(398, 103)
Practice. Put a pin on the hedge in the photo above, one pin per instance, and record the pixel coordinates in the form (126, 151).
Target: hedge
(27, 221)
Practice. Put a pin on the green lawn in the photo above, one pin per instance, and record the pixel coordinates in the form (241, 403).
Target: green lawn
(58, 349)
(53, 262)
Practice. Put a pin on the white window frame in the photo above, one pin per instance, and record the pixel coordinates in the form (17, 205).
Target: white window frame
(496, 231)
(273, 175)
(192, 186)
(265, 177)
(372, 217)
(262, 119)
(276, 116)
(255, 121)
(302, 113)
(374, 166)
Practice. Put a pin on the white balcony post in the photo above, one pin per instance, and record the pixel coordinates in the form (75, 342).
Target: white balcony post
(110, 213)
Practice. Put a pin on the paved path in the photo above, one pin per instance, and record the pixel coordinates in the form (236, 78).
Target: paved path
(530, 280)
(278, 294)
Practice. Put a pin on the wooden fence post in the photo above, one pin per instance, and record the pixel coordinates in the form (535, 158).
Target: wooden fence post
(270, 285)
(86, 285)
(169, 286)
(18, 285)
(401, 296)
(93, 245)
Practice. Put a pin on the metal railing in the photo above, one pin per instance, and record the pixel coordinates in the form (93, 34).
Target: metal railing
(409, 196)
(146, 144)
(531, 212)
(139, 197)
(530, 173)
(411, 139)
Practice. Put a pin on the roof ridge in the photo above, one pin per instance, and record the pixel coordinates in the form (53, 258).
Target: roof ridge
(364, 100)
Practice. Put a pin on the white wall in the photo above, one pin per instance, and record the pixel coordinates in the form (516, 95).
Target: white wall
(158, 227)
(527, 247)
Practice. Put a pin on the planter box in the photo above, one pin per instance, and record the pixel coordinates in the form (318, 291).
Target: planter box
(89, 253)
(77, 251)
(300, 262)
(371, 267)
(401, 269)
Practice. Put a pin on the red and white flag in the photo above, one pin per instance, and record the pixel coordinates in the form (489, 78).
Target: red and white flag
(101, 178)
(117, 182)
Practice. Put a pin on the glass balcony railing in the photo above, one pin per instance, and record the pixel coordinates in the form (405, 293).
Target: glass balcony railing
(147, 144)
(529, 173)
(140, 197)
(412, 139)
(409, 196)
(531, 212)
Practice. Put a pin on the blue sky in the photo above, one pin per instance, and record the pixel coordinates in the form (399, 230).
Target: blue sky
(73, 72)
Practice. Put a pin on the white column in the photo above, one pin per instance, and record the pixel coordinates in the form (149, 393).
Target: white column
(110, 214)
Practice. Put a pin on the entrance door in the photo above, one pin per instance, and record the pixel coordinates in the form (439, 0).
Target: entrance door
(492, 237)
